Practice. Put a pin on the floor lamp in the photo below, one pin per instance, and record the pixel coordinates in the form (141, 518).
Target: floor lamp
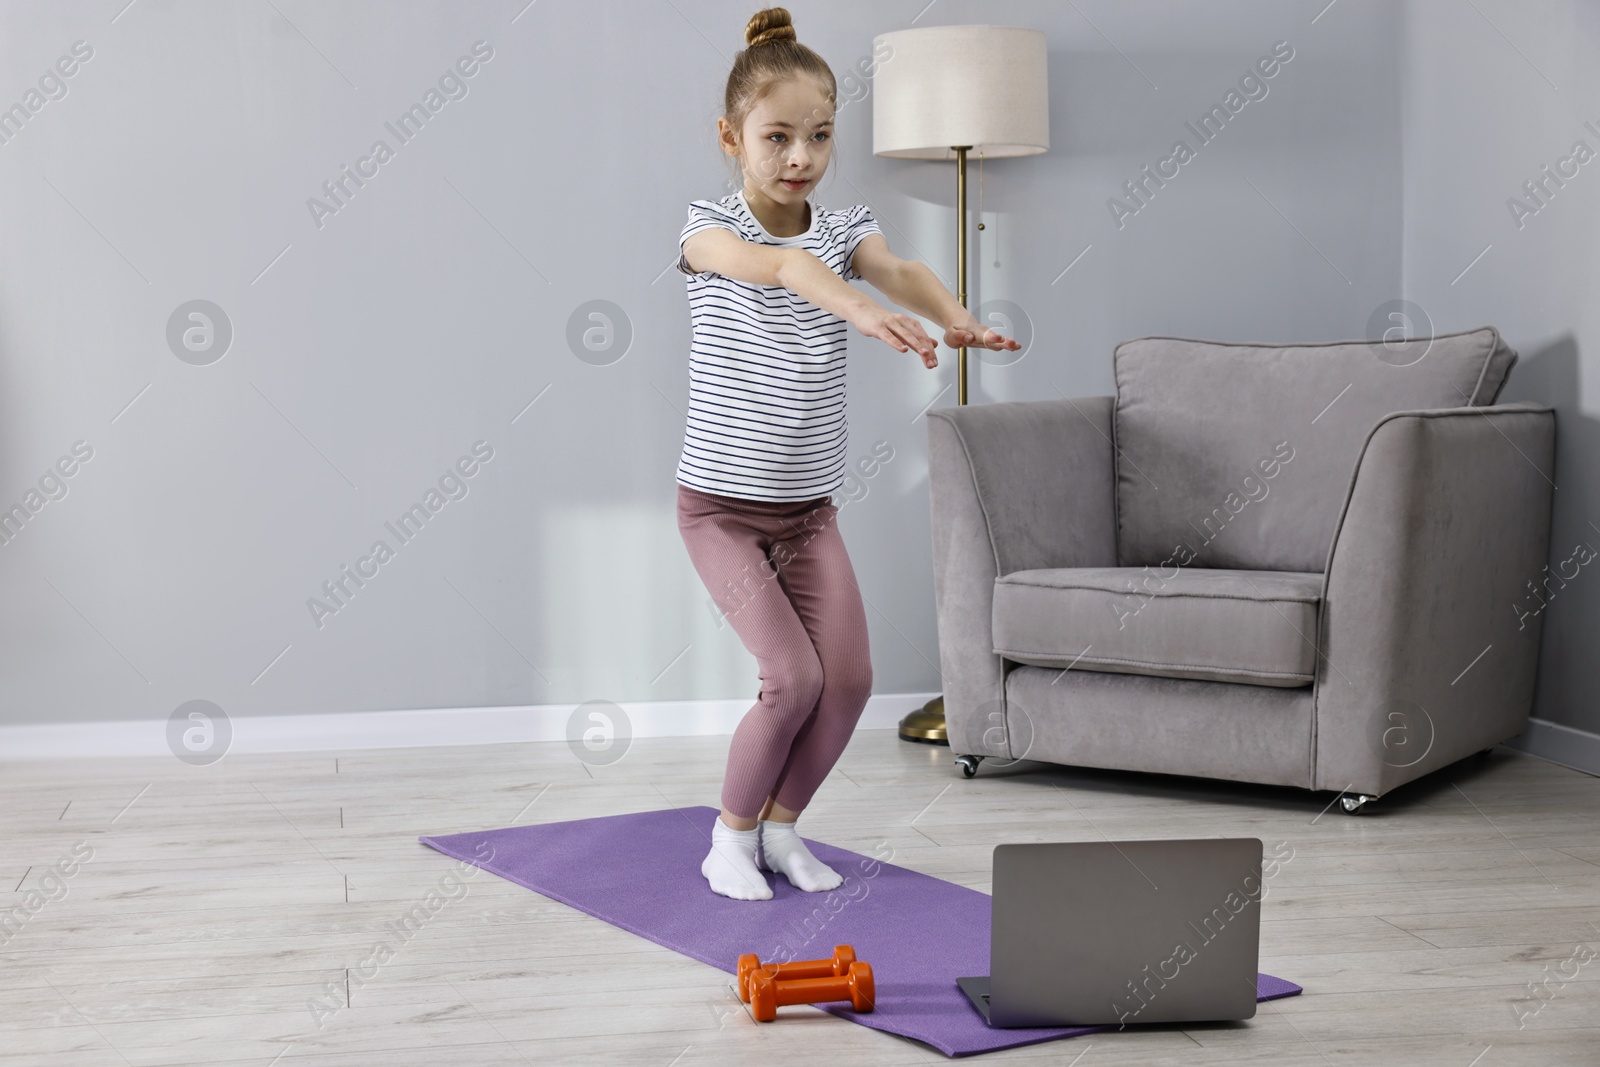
(939, 92)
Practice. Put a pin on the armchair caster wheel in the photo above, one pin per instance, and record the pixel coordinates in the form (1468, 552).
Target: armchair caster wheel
(1353, 803)
(968, 765)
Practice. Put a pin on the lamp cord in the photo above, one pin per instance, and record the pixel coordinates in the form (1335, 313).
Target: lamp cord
(980, 202)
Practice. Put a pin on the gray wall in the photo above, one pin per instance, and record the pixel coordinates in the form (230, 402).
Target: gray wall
(1492, 96)
(369, 353)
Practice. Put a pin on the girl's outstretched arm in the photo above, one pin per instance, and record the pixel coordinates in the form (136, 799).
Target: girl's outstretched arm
(914, 286)
(801, 272)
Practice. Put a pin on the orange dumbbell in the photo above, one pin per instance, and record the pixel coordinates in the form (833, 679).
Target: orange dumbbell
(768, 993)
(838, 966)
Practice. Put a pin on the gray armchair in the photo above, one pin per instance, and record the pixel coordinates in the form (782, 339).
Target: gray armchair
(1303, 565)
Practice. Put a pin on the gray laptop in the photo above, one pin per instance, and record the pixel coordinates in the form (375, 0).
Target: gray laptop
(1122, 932)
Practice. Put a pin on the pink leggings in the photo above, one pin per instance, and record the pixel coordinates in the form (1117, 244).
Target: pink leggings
(779, 572)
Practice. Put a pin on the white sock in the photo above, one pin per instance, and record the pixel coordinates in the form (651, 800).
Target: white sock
(783, 851)
(730, 866)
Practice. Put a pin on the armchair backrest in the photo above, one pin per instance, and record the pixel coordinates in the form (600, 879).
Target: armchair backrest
(1240, 455)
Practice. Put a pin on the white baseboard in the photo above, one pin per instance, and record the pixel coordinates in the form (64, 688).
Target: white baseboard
(1551, 741)
(406, 729)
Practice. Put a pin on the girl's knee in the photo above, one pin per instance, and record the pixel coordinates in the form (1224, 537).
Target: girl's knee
(794, 685)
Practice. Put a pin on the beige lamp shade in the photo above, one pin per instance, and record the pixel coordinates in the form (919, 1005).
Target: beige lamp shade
(937, 87)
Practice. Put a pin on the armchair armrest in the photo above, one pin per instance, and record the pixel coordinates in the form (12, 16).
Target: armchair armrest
(1426, 657)
(1012, 486)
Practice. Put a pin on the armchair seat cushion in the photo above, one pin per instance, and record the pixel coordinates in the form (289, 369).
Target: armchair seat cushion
(1245, 626)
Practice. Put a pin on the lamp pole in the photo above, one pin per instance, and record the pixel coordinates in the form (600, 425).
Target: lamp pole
(927, 723)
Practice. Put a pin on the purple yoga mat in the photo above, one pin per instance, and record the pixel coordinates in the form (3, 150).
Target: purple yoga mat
(642, 872)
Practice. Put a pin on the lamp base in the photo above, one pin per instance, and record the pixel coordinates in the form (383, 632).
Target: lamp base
(926, 724)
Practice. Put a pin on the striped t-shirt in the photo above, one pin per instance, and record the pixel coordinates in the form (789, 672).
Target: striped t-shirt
(767, 367)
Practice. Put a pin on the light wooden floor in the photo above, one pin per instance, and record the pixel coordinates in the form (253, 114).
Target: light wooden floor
(220, 900)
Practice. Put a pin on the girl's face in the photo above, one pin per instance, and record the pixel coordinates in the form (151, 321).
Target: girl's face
(788, 141)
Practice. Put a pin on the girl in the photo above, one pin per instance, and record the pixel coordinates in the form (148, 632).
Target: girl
(764, 446)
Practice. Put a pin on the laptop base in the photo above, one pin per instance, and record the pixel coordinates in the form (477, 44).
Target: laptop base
(977, 991)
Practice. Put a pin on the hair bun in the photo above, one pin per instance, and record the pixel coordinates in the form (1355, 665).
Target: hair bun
(765, 27)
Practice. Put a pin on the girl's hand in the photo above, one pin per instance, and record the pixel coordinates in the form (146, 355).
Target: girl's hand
(974, 334)
(897, 330)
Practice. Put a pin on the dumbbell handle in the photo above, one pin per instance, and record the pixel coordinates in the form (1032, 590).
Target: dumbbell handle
(812, 990)
(797, 970)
